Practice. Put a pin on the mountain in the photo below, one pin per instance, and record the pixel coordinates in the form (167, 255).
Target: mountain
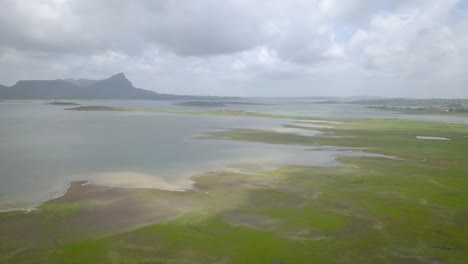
(114, 87)
(81, 82)
(39, 90)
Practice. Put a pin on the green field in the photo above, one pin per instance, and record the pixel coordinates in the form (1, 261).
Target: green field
(410, 209)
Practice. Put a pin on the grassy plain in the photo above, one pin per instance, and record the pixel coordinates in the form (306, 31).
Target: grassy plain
(413, 209)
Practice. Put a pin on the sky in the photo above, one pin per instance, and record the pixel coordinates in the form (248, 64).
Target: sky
(399, 48)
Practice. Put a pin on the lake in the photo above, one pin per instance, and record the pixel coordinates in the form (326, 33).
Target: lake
(44, 147)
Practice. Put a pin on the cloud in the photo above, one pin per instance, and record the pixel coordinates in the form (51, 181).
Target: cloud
(201, 28)
(241, 47)
(348, 11)
(417, 44)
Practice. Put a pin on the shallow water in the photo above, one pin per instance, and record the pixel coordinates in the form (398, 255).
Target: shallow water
(44, 147)
(432, 138)
(318, 110)
(295, 108)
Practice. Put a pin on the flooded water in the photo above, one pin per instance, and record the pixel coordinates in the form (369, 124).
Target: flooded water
(44, 147)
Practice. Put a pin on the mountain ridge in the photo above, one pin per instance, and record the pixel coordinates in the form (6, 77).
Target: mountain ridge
(115, 87)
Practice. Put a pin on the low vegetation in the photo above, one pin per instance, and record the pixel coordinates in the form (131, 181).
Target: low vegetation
(218, 112)
(202, 104)
(404, 102)
(419, 106)
(62, 103)
(411, 209)
(214, 103)
(97, 108)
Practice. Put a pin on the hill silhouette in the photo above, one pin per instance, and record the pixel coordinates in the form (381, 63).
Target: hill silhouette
(114, 87)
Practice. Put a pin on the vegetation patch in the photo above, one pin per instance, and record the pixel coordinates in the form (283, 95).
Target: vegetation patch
(372, 210)
(202, 104)
(59, 209)
(62, 103)
(226, 112)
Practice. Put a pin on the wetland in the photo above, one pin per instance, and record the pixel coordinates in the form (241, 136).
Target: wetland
(145, 182)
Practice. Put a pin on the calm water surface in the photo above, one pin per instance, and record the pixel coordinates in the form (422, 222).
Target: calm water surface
(44, 147)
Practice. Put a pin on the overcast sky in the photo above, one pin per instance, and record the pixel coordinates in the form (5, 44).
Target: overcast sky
(416, 48)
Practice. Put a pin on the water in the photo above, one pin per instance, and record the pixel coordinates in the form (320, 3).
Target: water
(432, 138)
(295, 108)
(44, 147)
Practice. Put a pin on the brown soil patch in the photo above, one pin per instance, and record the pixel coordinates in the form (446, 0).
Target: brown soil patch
(105, 210)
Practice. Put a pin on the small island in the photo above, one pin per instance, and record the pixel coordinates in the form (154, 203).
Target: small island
(419, 106)
(202, 104)
(214, 103)
(62, 103)
(97, 108)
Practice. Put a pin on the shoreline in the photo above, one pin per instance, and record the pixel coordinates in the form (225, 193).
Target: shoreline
(38, 203)
(163, 185)
(74, 183)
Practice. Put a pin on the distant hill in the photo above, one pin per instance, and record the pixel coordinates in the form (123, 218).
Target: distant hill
(114, 87)
(2, 87)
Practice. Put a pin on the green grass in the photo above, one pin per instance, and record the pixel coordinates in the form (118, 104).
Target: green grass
(54, 210)
(392, 137)
(375, 210)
